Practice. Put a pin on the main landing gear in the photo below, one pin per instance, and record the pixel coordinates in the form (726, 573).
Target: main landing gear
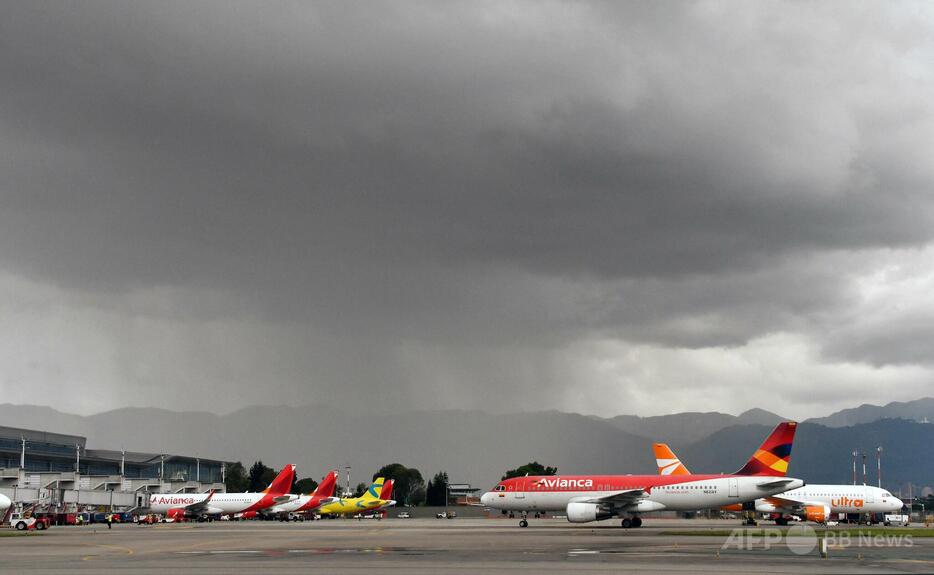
(631, 522)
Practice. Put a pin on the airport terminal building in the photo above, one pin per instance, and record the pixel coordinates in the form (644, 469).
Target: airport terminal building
(60, 470)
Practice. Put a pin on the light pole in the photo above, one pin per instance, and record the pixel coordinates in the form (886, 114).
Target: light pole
(854, 467)
(879, 464)
(864, 468)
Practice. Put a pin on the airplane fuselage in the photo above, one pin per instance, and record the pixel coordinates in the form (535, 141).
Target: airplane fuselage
(684, 492)
(219, 504)
(838, 498)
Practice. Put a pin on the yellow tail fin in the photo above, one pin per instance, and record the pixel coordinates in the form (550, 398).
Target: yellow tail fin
(373, 491)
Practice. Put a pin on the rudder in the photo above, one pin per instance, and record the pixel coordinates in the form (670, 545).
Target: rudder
(667, 462)
(283, 482)
(774, 455)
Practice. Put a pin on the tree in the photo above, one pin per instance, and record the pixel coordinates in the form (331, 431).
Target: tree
(409, 488)
(304, 486)
(360, 490)
(436, 492)
(531, 468)
(260, 477)
(235, 479)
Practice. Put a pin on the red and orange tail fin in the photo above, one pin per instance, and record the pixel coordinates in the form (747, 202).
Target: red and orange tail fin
(386, 493)
(774, 454)
(667, 462)
(283, 482)
(327, 485)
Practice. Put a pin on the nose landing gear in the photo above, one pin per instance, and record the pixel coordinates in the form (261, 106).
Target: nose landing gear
(523, 523)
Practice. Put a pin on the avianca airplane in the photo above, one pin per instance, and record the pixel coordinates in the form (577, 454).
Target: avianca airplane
(189, 505)
(322, 495)
(588, 498)
(813, 502)
(369, 501)
(386, 494)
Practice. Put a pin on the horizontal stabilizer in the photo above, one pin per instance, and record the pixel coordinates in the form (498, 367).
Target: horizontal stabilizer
(774, 484)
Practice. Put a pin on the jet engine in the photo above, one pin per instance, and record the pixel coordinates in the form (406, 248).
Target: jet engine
(586, 512)
(817, 513)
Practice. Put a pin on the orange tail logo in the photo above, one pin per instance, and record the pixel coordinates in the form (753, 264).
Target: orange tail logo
(667, 462)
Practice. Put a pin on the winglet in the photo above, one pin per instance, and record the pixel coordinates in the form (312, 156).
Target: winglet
(667, 462)
(773, 456)
(283, 482)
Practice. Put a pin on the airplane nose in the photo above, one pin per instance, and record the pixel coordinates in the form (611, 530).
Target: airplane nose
(486, 498)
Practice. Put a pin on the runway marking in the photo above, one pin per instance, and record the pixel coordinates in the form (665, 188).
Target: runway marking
(125, 550)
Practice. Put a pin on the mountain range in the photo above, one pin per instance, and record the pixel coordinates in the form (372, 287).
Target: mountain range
(477, 447)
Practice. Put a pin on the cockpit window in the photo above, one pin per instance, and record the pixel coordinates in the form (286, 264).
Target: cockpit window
(500, 488)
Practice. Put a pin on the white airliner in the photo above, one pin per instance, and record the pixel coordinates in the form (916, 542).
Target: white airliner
(587, 498)
(817, 502)
(193, 505)
(813, 502)
(5, 504)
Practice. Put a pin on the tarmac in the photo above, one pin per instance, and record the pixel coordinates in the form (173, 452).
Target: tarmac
(457, 546)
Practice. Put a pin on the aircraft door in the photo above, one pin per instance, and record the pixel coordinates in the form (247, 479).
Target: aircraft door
(870, 495)
(733, 487)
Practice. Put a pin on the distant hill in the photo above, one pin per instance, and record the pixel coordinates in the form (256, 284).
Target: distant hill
(472, 446)
(921, 410)
(477, 447)
(688, 427)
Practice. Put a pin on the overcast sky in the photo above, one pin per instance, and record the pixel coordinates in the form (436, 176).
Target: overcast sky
(641, 207)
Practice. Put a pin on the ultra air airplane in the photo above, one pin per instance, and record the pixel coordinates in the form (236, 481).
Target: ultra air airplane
(196, 505)
(586, 498)
(813, 502)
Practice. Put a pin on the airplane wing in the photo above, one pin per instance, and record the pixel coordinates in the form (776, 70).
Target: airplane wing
(284, 498)
(788, 502)
(201, 506)
(321, 503)
(620, 498)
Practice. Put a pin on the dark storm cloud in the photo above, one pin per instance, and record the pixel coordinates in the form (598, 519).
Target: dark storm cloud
(479, 178)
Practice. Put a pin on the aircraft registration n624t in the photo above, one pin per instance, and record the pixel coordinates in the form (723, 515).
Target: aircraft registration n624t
(588, 498)
(195, 505)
